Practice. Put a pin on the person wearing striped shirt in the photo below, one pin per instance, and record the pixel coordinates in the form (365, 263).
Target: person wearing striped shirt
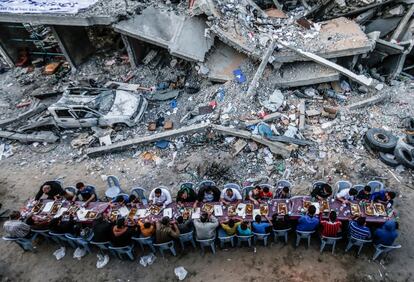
(331, 227)
(15, 227)
(358, 230)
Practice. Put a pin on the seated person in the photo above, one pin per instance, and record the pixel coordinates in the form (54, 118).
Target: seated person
(364, 194)
(63, 225)
(160, 197)
(331, 227)
(255, 195)
(266, 194)
(230, 196)
(53, 190)
(280, 223)
(229, 228)
(146, 227)
(185, 226)
(186, 195)
(387, 234)
(132, 199)
(15, 227)
(308, 222)
(165, 231)
(261, 227)
(383, 197)
(206, 226)
(244, 229)
(321, 191)
(346, 195)
(101, 229)
(120, 200)
(357, 229)
(207, 194)
(282, 193)
(121, 234)
(86, 192)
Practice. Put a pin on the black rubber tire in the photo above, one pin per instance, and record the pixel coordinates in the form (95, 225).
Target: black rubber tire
(381, 140)
(410, 139)
(405, 155)
(409, 124)
(388, 159)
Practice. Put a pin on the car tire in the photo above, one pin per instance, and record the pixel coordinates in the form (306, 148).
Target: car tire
(381, 140)
(410, 139)
(405, 155)
(388, 159)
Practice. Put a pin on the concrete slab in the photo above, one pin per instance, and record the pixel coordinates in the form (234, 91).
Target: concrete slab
(182, 36)
(304, 73)
(222, 61)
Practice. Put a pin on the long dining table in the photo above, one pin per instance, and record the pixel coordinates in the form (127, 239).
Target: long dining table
(295, 207)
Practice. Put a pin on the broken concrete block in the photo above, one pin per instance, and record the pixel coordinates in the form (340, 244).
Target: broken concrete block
(274, 102)
(52, 68)
(238, 146)
(152, 126)
(275, 13)
(168, 125)
(312, 113)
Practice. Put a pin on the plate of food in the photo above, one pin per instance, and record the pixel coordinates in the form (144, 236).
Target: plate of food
(231, 211)
(91, 215)
(249, 209)
(380, 209)
(369, 210)
(37, 208)
(113, 215)
(324, 206)
(264, 209)
(209, 208)
(186, 213)
(154, 210)
(282, 209)
(55, 208)
(306, 204)
(73, 209)
(132, 213)
(355, 210)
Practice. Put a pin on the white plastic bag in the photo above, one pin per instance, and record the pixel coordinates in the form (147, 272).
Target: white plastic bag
(180, 272)
(147, 260)
(79, 253)
(60, 253)
(102, 260)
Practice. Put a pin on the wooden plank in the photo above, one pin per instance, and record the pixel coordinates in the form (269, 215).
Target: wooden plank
(403, 23)
(302, 109)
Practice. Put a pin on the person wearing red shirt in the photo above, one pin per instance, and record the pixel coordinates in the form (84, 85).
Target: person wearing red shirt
(331, 227)
(266, 194)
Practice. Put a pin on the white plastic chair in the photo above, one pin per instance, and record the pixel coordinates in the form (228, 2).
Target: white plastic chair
(329, 241)
(356, 242)
(232, 185)
(342, 185)
(207, 243)
(303, 235)
(375, 186)
(382, 249)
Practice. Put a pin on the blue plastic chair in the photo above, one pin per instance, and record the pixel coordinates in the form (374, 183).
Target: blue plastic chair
(342, 185)
(241, 239)
(169, 246)
(124, 195)
(145, 241)
(102, 246)
(62, 240)
(190, 185)
(245, 191)
(205, 183)
(72, 190)
(44, 233)
(329, 241)
(120, 252)
(382, 249)
(187, 237)
(207, 243)
(359, 187)
(303, 235)
(113, 181)
(356, 242)
(25, 243)
(232, 185)
(140, 193)
(281, 233)
(225, 238)
(375, 186)
(284, 183)
(317, 183)
(261, 237)
(80, 242)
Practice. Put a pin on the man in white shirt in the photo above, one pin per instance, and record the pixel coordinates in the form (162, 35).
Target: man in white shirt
(346, 195)
(160, 197)
(230, 195)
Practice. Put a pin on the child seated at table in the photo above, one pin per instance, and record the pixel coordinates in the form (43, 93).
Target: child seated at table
(280, 223)
(244, 229)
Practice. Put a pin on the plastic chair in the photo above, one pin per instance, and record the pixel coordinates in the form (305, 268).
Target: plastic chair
(189, 185)
(356, 242)
(44, 233)
(59, 180)
(72, 190)
(124, 195)
(329, 241)
(284, 183)
(112, 192)
(303, 235)
(62, 240)
(144, 241)
(121, 251)
(261, 237)
(80, 242)
(316, 184)
(342, 185)
(241, 239)
(205, 183)
(226, 239)
(140, 193)
(187, 237)
(376, 186)
(281, 233)
(359, 187)
(382, 249)
(207, 243)
(232, 185)
(102, 246)
(165, 247)
(246, 190)
(25, 243)
(113, 181)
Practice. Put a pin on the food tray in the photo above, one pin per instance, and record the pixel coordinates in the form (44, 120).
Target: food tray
(264, 209)
(186, 213)
(355, 210)
(231, 211)
(380, 209)
(55, 208)
(282, 208)
(369, 210)
(73, 209)
(324, 206)
(306, 204)
(208, 208)
(154, 210)
(37, 208)
(114, 215)
(91, 215)
(132, 213)
(249, 209)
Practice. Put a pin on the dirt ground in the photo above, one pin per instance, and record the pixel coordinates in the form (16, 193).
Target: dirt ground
(274, 263)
